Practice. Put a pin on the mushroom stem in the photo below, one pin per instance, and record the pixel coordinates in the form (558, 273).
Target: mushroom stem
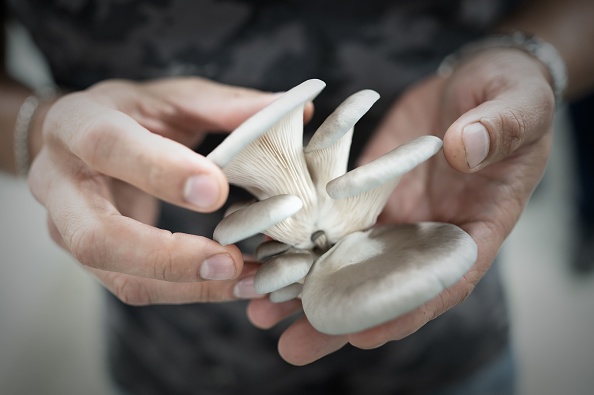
(321, 241)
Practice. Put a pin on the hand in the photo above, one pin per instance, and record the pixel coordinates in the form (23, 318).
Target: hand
(495, 115)
(109, 152)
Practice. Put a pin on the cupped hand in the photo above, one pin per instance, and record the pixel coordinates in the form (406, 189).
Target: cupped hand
(109, 153)
(494, 113)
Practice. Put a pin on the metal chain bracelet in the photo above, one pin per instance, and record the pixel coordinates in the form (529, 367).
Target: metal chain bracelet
(546, 53)
(22, 128)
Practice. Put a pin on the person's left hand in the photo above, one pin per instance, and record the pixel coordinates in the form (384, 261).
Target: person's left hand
(494, 113)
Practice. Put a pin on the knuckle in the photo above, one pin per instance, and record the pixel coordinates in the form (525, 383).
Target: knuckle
(206, 292)
(129, 290)
(86, 245)
(111, 85)
(164, 266)
(513, 128)
(96, 141)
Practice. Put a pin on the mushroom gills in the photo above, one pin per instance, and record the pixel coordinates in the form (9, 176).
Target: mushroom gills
(263, 120)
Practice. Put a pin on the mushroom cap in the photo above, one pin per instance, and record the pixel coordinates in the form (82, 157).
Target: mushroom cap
(372, 277)
(269, 249)
(287, 293)
(263, 120)
(283, 270)
(256, 218)
(342, 120)
(388, 167)
(359, 196)
(267, 159)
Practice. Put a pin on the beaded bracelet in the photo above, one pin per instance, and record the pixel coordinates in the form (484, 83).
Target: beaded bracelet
(546, 53)
(22, 128)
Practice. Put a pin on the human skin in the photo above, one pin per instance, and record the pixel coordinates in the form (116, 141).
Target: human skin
(485, 202)
(104, 154)
(484, 178)
(102, 158)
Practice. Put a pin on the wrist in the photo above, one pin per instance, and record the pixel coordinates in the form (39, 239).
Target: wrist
(536, 48)
(28, 136)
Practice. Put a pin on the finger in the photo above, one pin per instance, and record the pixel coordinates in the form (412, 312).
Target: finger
(114, 144)
(404, 121)
(397, 329)
(99, 237)
(55, 234)
(308, 112)
(265, 314)
(514, 116)
(138, 291)
(301, 344)
(414, 320)
(202, 105)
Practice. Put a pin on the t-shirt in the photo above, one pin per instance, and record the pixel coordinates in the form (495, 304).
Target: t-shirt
(271, 45)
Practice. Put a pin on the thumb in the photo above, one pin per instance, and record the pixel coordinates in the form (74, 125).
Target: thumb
(248, 102)
(223, 108)
(495, 129)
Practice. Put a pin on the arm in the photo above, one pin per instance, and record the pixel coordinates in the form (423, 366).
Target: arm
(12, 95)
(494, 112)
(100, 159)
(568, 26)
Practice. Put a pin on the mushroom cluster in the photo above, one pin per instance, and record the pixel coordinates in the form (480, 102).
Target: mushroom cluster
(326, 248)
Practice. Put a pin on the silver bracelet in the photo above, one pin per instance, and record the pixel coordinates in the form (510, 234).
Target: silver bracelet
(534, 46)
(22, 128)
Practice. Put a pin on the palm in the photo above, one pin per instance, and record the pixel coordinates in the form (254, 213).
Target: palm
(486, 204)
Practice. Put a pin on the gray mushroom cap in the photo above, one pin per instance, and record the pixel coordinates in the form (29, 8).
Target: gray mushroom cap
(265, 119)
(388, 167)
(283, 270)
(372, 277)
(287, 293)
(269, 249)
(256, 218)
(369, 276)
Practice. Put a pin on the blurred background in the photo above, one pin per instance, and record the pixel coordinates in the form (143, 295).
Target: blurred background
(51, 309)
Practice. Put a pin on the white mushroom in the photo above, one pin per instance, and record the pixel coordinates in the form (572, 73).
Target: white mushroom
(273, 162)
(287, 293)
(267, 118)
(371, 277)
(283, 270)
(385, 169)
(255, 218)
(355, 275)
(270, 248)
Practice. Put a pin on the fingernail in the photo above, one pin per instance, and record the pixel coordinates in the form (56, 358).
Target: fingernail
(218, 267)
(244, 289)
(476, 143)
(201, 191)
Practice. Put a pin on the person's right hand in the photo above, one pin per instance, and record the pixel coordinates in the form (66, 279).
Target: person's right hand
(109, 152)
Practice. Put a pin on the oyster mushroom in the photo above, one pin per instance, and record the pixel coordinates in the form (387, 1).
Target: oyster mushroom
(350, 273)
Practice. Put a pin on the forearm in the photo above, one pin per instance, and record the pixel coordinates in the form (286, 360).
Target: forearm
(568, 26)
(12, 96)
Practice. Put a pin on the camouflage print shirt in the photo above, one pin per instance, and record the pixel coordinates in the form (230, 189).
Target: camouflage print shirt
(271, 45)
